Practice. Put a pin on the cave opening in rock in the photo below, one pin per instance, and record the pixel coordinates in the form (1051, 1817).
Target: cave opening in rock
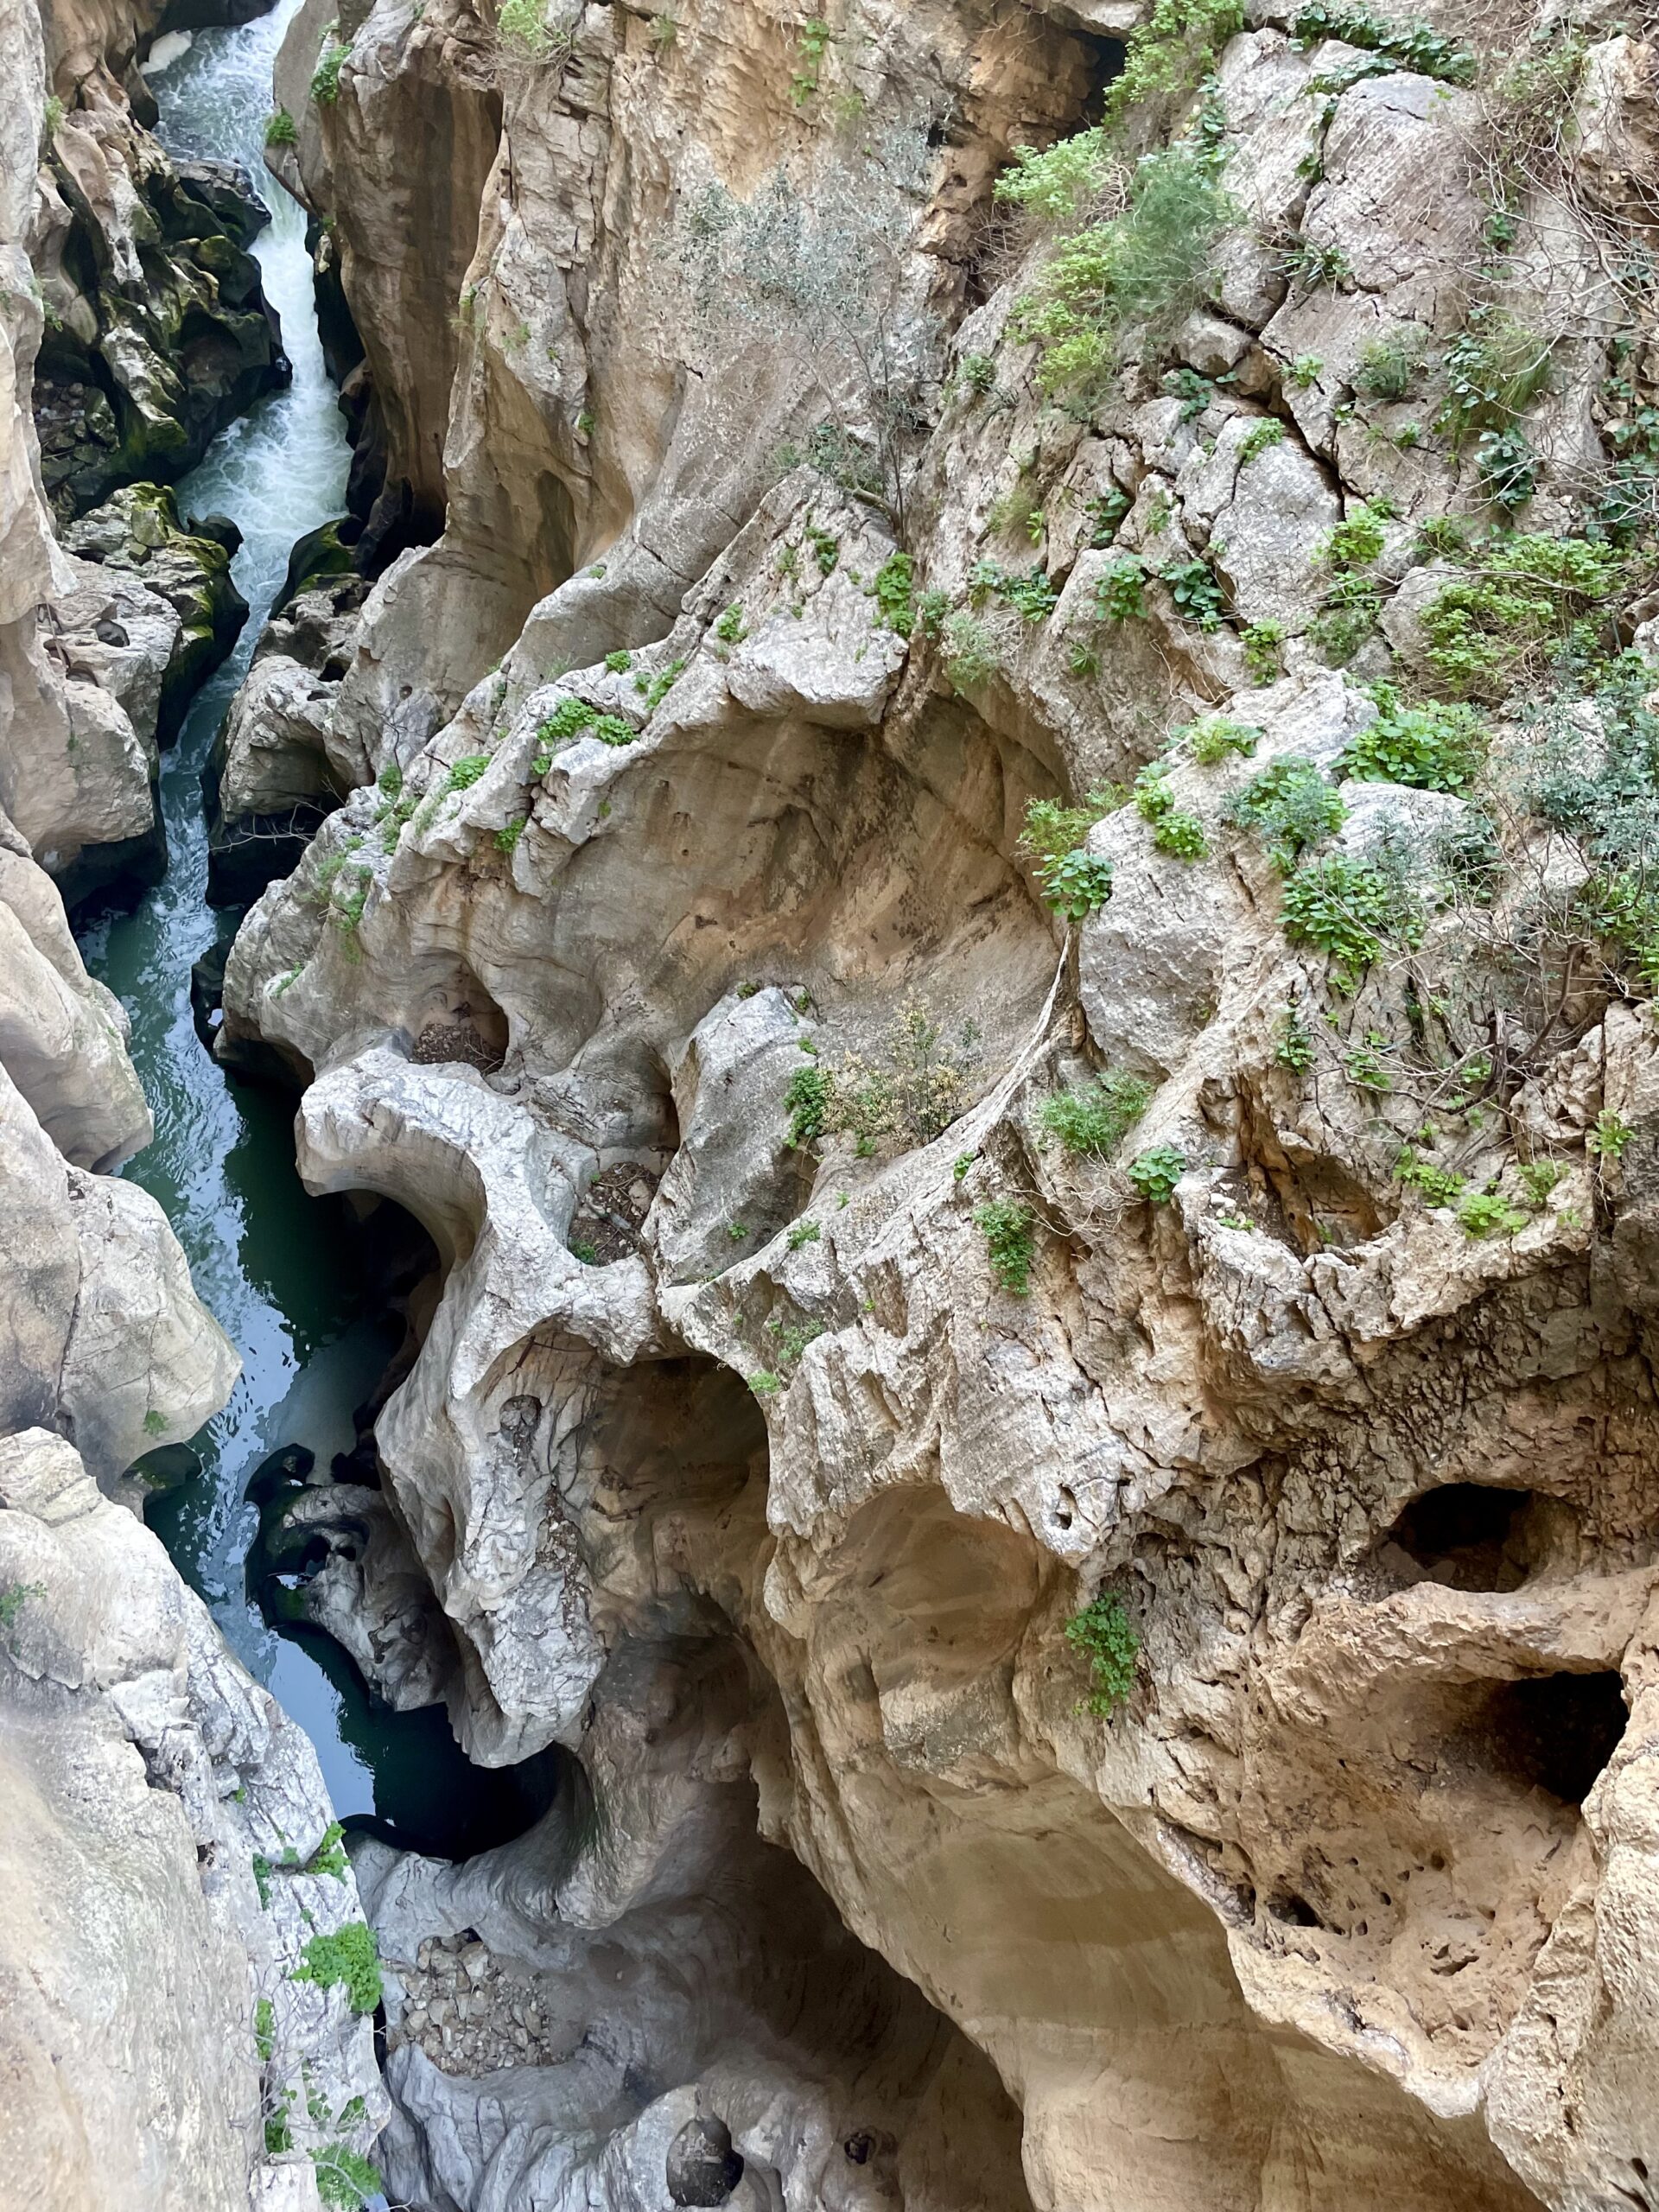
(1475, 1536)
(1553, 1733)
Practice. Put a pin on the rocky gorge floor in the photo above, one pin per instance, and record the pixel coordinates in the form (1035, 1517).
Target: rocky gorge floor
(967, 812)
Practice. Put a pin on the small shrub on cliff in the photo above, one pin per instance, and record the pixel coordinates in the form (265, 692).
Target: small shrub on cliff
(1522, 599)
(1156, 1173)
(324, 79)
(1433, 748)
(1179, 834)
(350, 1957)
(1106, 1635)
(1292, 807)
(1073, 882)
(1347, 910)
(1009, 1229)
(467, 771)
(1144, 269)
(970, 650)
(1091, 1119)
(1414, 46)
(892, 589)
(1217, 735)
(908, 1090)
(521, 26)
(1264, 651)
(281, 128)
(346, 2180)
(1483, 1213)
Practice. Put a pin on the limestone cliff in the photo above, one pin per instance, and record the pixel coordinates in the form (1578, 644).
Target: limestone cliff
(994, 897)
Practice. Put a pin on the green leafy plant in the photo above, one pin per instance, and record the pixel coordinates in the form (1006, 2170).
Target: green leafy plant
(281, 128)
(1256, 440)
(812, 43)
(1412, 45)
(1119, 590)
(346, 2180)
(1264, 651)
(1009, 1229)
(978, 372)
(1305, 370)
(1439, 1186)
(1145, 268)
(264, 2029)
(1387, 365)
(1032, 596)
(1217, 736)
(1609, 1135)
(1539, 1178)
(807, 1101)
(1103, 1632)
(618, 662)
(467, 771)
(892, 590)
(14, 1596)
(732, 629)
(1493, 370)
(1346, 910)
(1310, 265)
(1196, 591)
(1091, 1119)
(1156, 1173)
(1292, 807)
(1506, 466)
(1293, 1048)
(969, 650)
(654, 691)
(1483, 1213)
(803, 1232)
(1520, 601)
(350, 1957)
(1073, 882)
(325, 80)
(1430, 748)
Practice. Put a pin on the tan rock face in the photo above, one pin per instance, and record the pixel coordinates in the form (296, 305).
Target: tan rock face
(768, 1494)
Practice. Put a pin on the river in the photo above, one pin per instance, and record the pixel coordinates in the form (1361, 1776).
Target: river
(273, 1265)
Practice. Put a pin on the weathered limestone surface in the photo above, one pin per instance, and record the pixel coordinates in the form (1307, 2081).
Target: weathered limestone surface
(726, 1461)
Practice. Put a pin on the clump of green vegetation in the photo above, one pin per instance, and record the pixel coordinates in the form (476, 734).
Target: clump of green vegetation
(1120, 591)
(281, 128)
(732, 629)
(1217, 736)
(1305, 370)
(1174, 832)
(507, 838)
(1264, 651)
(1073, 882)
(1033, 597)
(1494, 369)
(893, 589)
(1173, 52)
(1196, 590)
(325, 80)
(969, 650)
(765, 1384)
(826, 548)
(1539, 1178)
(330, 1857)
(978, 372)
(467, 771)
(264, 2029)
(1293, 1048)
(655, 690)
(1268, 432)
(618, 662)
(1388, 364)
(1430, 748)
(1522, 599)
(1009, 1229)
(1348, 911)
(350, 1957)
(346, 2180)
(1091, 1119)
(1610, 1135)
(812, 43)
(803, 1232)
(52, 115)
(14, 1596)
(1352, 602)
(1310, 265)
(1440, 1186)
(1143, 269)
(1483, 1213)
(1412, 45)
(522, 26)
(1103, 1632)
(1292, 808)
(907, 1092)
(1156, 1173)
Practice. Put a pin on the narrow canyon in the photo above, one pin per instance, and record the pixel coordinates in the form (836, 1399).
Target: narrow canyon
(828, 1106)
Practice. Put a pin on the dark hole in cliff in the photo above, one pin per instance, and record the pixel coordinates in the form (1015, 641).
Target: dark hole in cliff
(1295, 1911)
(702, 2167)
(1475, 1536)
(469, 1026)
(1553, 1733)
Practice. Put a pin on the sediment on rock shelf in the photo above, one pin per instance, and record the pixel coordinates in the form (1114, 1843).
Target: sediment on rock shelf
(963, 809)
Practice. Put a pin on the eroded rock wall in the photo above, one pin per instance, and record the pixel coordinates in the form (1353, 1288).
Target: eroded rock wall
(701, 979)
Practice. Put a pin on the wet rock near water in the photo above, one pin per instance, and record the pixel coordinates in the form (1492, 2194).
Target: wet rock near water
(157, 331)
